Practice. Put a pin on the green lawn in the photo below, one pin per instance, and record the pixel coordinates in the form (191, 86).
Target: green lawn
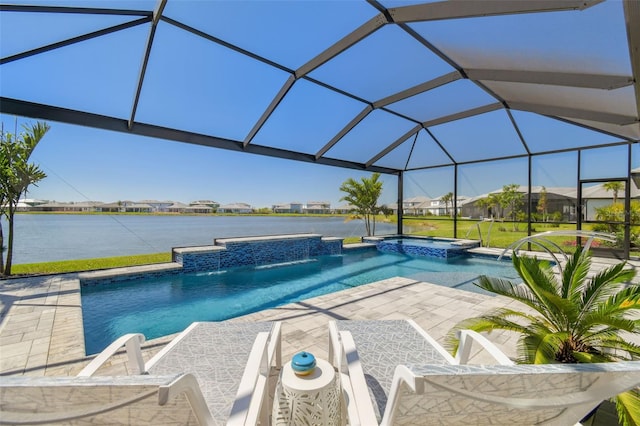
(495, 234)
(89, 264)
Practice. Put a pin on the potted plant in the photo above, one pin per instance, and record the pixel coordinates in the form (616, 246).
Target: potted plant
(573, 318)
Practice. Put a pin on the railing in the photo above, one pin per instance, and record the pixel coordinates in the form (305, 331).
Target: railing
(543, 242)
(480, 231)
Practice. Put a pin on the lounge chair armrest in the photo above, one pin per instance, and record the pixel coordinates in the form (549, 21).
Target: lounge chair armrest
(335, 347)
(467, 337)
(188, 385)
(132, 342)
(352, 380)
(402, 375)
(250, 402)
(275, 346)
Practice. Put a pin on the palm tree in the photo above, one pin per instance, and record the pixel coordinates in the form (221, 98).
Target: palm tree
(363, 196)
(446, 199)
(16, 175)
(493, 202)
(574, 320)
(615, 187)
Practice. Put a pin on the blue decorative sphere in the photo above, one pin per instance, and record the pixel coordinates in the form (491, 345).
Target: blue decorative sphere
(303, 363)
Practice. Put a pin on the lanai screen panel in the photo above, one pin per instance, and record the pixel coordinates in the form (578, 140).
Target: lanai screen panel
(370, 85)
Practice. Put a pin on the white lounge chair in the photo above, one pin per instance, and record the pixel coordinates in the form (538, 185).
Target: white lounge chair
(394, 373)
(227, 367)
(120, 400)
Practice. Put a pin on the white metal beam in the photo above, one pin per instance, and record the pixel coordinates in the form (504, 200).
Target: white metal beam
(394, 145)
(463, 114)
(157, 14)
(423, 87)
(582, 114)
(632, 18)
(272, 106)
(471, 9)
(353, 123)
(591, 81)
(343, 44)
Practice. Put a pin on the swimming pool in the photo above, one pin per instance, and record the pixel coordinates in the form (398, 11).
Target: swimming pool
(165, 305)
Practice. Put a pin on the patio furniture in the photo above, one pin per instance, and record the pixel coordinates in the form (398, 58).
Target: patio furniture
(227, 367)
(429, 386)
(120, 400)
(381, 346)
(314, 399)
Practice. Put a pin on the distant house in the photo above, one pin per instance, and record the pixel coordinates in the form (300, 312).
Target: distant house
(597, 196)
(559, 199)
(213, 204)
(157, 206)
(317, 207)
(138, 208)
(294, 207)
(84, 206)
(27, 204)
(416, 206)
(437, 207)
(177, 207)
(236, 208)
(344, 209)
(126, 207)
(87, 206)
(111, 207)
(199, 209)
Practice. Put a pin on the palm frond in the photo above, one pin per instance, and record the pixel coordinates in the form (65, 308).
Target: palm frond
(593, 337)
(602, 318)
(497, 319)
(535, 273)
(540, 347)
(628, 407)
(545, 290)
(575, 272)
(602, 285)
(509, 289)
(614, 345)
(625, 300)
(588, 357)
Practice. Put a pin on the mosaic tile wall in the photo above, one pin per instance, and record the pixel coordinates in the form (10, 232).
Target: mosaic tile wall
(126, 277)
(420, 250)
(262, 251)
(258, 252)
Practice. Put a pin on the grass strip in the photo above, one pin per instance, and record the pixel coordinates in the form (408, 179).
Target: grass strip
(89, 264)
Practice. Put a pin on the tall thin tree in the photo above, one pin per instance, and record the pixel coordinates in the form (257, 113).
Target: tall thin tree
(446, 199)
(16, 175)
(614, 187)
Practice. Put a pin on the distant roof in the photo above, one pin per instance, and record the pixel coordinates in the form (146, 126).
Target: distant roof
(418, 199)
(178, 205)
(428, 84)
(236, 206)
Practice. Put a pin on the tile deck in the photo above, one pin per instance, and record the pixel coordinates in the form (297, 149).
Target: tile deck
(41, 329)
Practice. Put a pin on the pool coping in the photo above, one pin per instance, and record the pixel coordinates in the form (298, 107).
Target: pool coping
(41, 328)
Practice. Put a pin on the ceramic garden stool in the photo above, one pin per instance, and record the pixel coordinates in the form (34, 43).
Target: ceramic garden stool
(307, 394)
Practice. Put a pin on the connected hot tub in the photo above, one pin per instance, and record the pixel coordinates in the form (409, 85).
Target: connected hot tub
(442, 248)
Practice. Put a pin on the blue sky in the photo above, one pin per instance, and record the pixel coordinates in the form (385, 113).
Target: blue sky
(89, 164)
(187, 89)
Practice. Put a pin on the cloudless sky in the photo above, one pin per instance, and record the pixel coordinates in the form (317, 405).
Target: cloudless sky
(90, 164)
(187, 88)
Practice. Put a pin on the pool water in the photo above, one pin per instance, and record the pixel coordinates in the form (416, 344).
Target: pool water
(161, 306)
